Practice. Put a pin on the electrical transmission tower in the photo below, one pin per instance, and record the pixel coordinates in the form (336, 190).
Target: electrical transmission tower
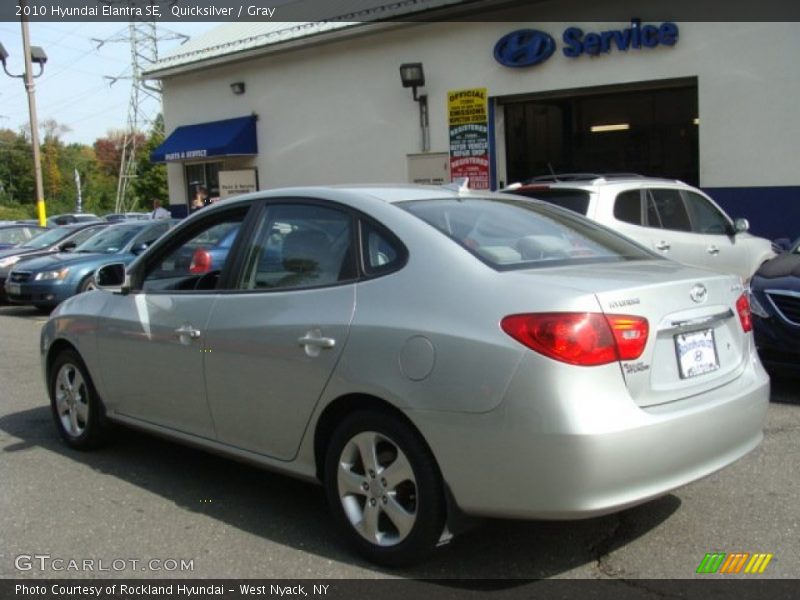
(143, 37)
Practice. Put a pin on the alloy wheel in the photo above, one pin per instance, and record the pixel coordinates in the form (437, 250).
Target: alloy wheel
(377, 488)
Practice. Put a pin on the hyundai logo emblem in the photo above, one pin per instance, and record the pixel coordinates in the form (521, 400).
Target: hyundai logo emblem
(524, 48)
(698, 293)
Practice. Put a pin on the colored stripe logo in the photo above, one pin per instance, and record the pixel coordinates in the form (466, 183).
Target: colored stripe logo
(734, 563)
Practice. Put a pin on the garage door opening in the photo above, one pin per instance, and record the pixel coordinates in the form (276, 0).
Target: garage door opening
(647, 131)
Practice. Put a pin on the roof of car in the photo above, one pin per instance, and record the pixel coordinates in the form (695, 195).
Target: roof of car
(389, 193)
(17, 225)
(81, 225)
(584, 180)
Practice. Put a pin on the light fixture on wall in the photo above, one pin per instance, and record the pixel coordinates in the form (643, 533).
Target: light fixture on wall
(238, 88)
(412, 75)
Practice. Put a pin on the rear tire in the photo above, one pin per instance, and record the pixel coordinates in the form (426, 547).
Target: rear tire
(77, 410)
(384, 489)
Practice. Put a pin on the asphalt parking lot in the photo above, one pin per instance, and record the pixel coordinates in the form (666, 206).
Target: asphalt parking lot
(145, 499)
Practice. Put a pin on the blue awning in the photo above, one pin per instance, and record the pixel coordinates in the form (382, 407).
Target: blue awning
(231, 137)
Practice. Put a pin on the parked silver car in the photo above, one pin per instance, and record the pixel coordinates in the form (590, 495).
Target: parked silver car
(422, 352)
(675, 219)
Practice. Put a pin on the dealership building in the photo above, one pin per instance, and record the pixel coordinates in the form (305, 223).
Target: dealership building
(506, 97)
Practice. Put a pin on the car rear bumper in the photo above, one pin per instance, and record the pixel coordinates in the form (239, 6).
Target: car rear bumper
(530, 461)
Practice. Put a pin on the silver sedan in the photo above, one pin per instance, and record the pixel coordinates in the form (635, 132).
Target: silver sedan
(424, 353)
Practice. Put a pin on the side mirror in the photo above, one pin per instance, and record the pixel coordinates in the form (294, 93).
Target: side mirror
(68, 246)
(741, 225)
(112, 278)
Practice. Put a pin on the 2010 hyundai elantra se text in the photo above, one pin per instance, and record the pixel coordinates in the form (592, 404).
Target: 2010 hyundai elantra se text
(422, 352)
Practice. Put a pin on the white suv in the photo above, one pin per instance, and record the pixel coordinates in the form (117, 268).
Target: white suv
(673, 218)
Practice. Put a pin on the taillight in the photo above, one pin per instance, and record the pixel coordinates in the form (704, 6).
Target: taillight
(743, 309)
(201, 261)
(585, 339)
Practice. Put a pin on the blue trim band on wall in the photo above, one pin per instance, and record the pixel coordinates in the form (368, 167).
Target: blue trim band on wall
(773, 212)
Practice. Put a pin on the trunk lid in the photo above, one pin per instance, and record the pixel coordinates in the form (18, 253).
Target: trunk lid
(696, 341)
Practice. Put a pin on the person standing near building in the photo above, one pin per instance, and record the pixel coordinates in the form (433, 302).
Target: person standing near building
(200, 199)
(159, 212)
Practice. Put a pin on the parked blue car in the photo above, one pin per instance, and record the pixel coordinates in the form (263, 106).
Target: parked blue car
(48, 280)
(12, 234)
(59, 239)
(775, 303)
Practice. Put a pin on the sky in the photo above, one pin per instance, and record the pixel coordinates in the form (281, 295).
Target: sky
(73, 89)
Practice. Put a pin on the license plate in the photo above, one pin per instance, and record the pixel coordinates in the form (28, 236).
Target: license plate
(13, 288)
(697, 353)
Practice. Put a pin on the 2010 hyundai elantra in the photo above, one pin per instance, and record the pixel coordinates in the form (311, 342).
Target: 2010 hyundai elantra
(422, 352)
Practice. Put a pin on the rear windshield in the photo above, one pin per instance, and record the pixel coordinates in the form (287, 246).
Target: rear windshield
(574, 200)
(519, 234)
(109, 240)
(50, 237)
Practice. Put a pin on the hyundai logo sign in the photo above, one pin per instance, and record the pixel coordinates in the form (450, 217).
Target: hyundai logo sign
(528, 47)
(524, 48)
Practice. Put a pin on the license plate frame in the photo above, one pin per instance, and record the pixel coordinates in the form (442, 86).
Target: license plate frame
(14, 288)
(696, 352)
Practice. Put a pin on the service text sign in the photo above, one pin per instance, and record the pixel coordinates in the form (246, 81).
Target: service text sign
(232, 183)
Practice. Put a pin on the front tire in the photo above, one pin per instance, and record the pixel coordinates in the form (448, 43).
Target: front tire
(384, 489)
(87, 285)
(76, 407)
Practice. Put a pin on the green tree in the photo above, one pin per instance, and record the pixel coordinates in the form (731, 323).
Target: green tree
(17, 187)
(151, 178)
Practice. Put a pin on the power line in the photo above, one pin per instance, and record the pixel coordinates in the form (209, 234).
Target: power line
(143, 37)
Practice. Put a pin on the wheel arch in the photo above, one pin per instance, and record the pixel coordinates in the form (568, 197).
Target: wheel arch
(56, 348)
(341, 407)
(84, 278)
(333, 414)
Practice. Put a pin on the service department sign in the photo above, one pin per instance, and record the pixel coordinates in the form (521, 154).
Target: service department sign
(529, 47)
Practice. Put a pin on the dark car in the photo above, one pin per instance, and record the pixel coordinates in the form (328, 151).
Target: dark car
(48, 280)
(12, 234)
(128, 216)
(68, 218)
(59, 239)
(775, 290)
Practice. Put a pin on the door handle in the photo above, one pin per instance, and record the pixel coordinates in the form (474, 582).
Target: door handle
(713, 250)
(187, 331)
(314, 343)
(317, 340)
(663, 246)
